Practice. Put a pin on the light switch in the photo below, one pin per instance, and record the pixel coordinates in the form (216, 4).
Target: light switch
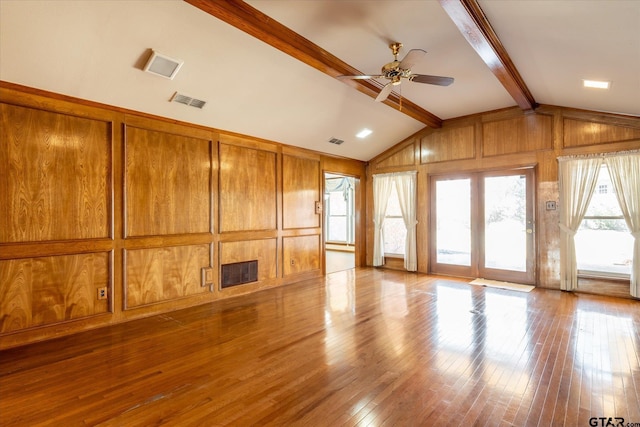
(207, 276)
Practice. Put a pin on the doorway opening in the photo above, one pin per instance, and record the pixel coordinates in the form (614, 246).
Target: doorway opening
(339, 222)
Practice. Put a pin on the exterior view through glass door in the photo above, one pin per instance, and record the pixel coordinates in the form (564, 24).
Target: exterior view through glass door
(482, 225)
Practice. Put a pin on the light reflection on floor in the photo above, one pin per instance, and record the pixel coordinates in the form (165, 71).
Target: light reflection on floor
(486, 339)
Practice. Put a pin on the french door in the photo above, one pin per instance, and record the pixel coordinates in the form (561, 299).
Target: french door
(482, 225)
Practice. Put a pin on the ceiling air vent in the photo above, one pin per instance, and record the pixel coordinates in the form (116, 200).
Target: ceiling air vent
(187, 100)
(336, 141)
(162, 65)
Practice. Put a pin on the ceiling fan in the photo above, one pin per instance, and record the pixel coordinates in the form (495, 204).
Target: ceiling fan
(397, 70)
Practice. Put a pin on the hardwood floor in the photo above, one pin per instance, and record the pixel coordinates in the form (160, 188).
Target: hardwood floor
(359, 347)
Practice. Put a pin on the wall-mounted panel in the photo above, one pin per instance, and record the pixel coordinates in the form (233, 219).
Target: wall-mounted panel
(247, 189)
(56, 176)
(578, 133)
(448, 144)
(301, 254)
(49, 290)
(403, 157)
(528, 133)
(167, 183)
(162, 274)
(263, 250)
(300, 192)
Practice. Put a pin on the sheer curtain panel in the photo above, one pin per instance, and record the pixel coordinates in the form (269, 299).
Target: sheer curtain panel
(577, 181)
(406, 188)
(624, 170)
(381, 191)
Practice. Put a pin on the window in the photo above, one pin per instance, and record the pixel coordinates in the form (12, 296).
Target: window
(604, 245)
(339, 201)
(394, 230)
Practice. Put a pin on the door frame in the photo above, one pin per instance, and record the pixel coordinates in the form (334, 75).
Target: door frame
(477, 269)
(357, 208)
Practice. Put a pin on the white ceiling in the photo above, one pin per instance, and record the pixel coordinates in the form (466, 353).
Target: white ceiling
(95, 50)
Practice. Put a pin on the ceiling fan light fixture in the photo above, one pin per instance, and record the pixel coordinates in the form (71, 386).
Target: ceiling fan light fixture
(364, 133)
(596, 84)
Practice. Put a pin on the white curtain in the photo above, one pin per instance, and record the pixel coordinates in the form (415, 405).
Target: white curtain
(577, 178)
(381, 191)
(406, 188)
(625, 176)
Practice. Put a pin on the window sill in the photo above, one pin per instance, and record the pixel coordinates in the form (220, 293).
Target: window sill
(610, 277)
(599, 286)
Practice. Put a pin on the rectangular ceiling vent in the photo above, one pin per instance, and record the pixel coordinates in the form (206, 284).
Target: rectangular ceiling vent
(336, 141)
(162, 65)
(187, 100)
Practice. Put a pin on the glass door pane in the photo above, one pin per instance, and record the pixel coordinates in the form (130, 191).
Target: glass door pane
(505, 222)
(482, 225)
(453, 221)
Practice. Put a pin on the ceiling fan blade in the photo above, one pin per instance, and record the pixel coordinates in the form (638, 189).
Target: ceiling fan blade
(432, 80)
(384, 93)
(413, 57)
(359, 77)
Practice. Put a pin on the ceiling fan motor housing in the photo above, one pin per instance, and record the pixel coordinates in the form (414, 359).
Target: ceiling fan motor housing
(393, 72)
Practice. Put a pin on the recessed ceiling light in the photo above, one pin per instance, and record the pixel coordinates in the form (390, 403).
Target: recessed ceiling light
(597, 84)
(364, 133)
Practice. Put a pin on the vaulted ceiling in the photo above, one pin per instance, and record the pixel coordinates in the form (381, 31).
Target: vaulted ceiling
(268, 68)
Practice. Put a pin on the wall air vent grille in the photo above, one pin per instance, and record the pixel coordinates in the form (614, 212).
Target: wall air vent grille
(336, 141)
(187, 100)
(238, 273)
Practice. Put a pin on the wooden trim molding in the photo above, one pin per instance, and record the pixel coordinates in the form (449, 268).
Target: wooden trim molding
(476, 29)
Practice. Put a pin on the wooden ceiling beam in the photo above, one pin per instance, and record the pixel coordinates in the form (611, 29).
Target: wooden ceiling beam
(475, 27)
(255, 23)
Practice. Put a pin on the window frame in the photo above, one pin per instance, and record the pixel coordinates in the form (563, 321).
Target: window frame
(595, 274)
(394, 191)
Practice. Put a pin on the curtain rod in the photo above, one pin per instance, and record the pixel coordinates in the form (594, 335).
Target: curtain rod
(595, 155)
(380, 175)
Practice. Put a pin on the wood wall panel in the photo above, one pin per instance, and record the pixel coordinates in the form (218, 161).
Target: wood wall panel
(300, 191)
(168, 183)
(247, 189)
(264, 250)
(508, 139)
(135, 203)
(579, 133)
(161, 274)
(448, 144)
(403, 157)
(301, 254)
(523, 134)
(56, 182)
(49, 290)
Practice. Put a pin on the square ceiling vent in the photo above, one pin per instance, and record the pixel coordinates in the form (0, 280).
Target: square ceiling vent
(162, 65)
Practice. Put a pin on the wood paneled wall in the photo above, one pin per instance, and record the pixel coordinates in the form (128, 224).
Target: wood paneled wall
(506, 139)
(99, 200)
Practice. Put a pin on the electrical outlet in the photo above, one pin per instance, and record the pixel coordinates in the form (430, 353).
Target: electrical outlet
(551, 205)
(102, 293)
(293, 262)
